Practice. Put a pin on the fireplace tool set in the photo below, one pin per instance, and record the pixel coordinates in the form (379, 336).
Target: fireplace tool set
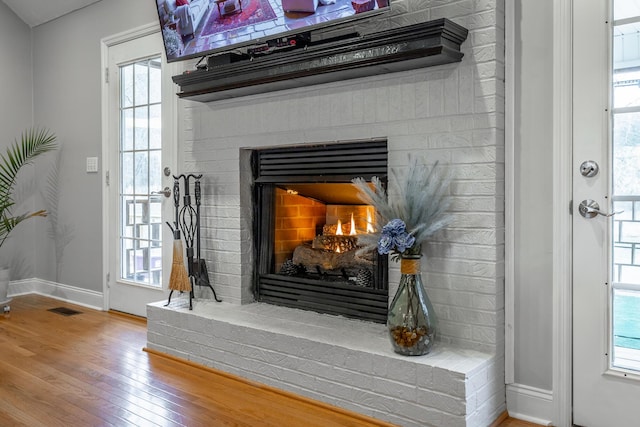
(187, 224)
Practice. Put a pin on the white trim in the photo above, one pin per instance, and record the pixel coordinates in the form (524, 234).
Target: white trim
(530, 404)
(509, 184)
(59, 291)
(562, 193)
(125, 36)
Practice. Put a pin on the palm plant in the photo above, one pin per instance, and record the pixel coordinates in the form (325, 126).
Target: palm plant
(33, 143)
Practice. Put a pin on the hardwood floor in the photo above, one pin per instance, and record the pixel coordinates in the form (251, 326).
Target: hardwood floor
(90, 369)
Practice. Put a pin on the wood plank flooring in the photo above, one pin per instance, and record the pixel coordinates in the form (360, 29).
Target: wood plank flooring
(90, 369)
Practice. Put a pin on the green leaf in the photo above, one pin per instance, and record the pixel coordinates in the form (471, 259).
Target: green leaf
(33, 143)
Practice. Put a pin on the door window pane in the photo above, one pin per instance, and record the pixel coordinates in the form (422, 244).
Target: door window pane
(140, 173)
(625, 268)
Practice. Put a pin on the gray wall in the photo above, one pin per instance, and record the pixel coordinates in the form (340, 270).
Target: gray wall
(15, 73)
(533, 193)
(16, 114)
(67, 93)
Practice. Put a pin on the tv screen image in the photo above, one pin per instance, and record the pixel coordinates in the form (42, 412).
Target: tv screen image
(193, 28)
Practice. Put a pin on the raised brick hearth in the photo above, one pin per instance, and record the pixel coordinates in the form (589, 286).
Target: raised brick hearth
(347, 363)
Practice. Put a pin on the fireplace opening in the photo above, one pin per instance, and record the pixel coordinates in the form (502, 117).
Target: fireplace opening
(308, 219)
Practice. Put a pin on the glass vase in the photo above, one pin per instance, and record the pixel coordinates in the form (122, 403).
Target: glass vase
(411, 320)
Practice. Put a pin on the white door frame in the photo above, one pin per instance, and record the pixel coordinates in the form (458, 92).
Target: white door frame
(562, 194)
(105, 44)
(561, 352)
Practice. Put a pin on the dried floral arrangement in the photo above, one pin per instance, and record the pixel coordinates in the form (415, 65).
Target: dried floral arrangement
(417, 210)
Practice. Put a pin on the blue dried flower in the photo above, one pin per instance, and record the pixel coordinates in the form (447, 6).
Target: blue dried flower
(385, 243)
(395, 227)
(404, 241)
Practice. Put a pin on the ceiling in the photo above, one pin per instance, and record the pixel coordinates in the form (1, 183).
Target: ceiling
(36, 12)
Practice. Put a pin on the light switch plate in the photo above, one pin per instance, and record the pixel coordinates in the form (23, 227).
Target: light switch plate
(92, 164)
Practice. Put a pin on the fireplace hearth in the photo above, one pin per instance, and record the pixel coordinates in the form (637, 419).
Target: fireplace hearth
(306, 226)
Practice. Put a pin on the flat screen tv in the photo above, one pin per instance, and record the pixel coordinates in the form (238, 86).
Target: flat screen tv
(195, 28)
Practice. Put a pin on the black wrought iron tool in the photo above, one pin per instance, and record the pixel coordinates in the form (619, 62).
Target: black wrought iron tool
(201, 272)
(188, 220)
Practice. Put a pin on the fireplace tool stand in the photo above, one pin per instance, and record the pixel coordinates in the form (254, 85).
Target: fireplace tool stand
(188, 220)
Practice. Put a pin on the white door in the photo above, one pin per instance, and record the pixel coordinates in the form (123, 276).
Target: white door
(606, 249)
(141, 151)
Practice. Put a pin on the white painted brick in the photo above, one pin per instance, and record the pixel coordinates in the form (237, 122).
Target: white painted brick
(482, 20)
(486, 334)
(445, 297)
(455, 330)
(464, 315)
(488, 104)
(477, 220)
(471, 268)
(480, 188)
(448, 382)
(488, 302)
(451, 9)
(459, 282)
(450, 140)
(483, 54)
(487, 70)
(442, 402)
(489, 203)
(396, 389)
(419, 4)
(463, 122)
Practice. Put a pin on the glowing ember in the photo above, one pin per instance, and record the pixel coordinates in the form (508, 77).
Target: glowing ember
(338, 249)
(339, 229)
(353, 226)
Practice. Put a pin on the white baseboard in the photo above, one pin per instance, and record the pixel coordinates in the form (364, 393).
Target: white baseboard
(530, 404)
(71, 294)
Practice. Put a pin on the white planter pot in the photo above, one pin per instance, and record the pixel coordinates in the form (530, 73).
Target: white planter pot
(4, 285)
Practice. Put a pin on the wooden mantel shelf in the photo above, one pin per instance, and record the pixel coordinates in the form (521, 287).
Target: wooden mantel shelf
(416, 46)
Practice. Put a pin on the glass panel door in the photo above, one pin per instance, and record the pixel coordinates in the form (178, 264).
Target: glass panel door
(141, 152)
(606, 262)
(140, 172)
(625, 293)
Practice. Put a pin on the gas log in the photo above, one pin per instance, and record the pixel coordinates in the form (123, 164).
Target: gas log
(330, 261)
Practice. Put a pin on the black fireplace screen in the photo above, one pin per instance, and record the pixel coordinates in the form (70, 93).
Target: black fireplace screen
(307, 222)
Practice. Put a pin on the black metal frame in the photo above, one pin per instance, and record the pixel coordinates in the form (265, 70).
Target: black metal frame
(318, 163)
(187, 221)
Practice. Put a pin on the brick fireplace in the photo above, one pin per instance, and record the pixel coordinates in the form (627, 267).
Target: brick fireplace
(452, 113)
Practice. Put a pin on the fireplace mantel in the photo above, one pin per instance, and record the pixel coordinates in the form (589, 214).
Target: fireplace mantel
(421, 45)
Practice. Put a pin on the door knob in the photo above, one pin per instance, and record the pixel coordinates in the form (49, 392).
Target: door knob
(166, 192)
(589, 168)
(590, 208)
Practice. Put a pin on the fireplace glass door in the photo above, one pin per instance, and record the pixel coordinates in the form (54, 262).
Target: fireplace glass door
(308, 229)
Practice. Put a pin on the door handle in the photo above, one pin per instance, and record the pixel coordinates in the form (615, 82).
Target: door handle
(590, 208)
(166, 192)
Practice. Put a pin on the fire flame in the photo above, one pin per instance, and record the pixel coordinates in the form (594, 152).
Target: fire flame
(353, 226)
(338, 249)
(369, 221)
(339, 229)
